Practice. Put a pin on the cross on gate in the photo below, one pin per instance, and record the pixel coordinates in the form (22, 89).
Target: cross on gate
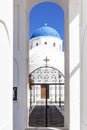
(46, 59)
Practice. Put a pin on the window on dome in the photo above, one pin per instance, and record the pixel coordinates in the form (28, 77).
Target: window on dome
(36, 44)
(54, 44)
(45, 43)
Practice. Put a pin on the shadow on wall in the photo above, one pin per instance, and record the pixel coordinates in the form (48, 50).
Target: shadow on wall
(3, 23)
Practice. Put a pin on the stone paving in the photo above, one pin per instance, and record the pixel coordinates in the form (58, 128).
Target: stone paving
(37, 117)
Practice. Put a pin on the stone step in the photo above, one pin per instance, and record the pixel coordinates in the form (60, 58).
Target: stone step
(45, 128)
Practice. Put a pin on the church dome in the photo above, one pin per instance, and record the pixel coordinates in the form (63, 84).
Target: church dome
(45, 31)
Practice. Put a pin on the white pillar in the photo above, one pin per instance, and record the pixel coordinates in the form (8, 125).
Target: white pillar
(74, 64)
(20, 108)
(83, 65)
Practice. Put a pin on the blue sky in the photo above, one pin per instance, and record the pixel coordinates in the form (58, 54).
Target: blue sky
(47, 12)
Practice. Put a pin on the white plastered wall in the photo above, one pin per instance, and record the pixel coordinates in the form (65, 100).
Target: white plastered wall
(6, 78)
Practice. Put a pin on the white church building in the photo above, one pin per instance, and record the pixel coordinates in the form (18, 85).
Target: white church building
(14, 63)
(45, 56)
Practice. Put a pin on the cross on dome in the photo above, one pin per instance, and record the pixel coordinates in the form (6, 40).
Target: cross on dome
(45, 24)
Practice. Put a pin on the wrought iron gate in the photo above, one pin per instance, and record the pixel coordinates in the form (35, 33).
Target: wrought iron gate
(46, 75)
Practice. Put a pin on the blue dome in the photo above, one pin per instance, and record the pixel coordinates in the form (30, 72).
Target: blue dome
(45, 31)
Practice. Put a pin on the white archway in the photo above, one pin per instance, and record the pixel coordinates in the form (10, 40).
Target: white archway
(24, 7)
(21, 11)
(64, 6)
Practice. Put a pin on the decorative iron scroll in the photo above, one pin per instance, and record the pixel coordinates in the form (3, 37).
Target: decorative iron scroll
(46, 75)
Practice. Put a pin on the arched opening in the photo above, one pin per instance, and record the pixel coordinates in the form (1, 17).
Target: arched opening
(21, 49)
(46, 29)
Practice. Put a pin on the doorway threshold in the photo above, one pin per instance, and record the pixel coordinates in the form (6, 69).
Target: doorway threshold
(46, 128)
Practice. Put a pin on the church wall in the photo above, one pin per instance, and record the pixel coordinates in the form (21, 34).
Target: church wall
(50, 42)
(83, 55)
(47, 41)
(6, 63)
